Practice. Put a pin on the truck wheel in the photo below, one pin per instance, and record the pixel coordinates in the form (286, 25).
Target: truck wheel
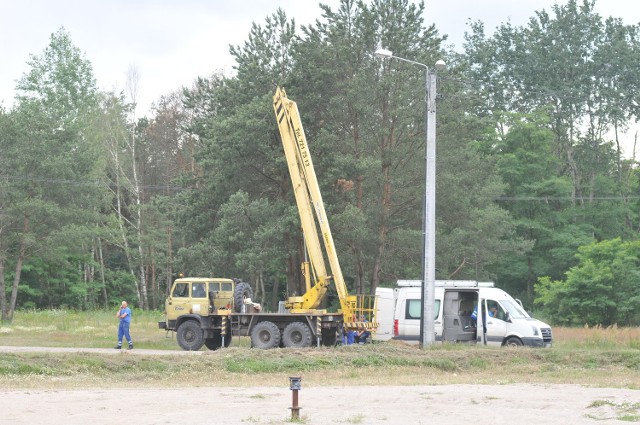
(513, 342)
(242, 290)
(190, 336)
(265, 335)
(297, 335)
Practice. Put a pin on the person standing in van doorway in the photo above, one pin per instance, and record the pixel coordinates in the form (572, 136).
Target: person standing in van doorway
(124, 314)
(474, 314)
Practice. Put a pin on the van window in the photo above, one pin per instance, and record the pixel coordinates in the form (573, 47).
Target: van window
(226, 286)
(515, 312)
(495, 310)
(214, 286)
(414, 309)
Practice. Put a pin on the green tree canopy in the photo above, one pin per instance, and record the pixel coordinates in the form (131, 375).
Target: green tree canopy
(603, 289)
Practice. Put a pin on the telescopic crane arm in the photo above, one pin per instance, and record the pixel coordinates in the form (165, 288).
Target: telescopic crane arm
(311, 209)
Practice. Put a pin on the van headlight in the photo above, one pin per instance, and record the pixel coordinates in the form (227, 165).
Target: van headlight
(535, 330)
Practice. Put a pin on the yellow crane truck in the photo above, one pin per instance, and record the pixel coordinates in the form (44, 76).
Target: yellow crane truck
(209, 311)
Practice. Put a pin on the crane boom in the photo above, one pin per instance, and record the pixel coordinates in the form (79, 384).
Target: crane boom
(311, 210)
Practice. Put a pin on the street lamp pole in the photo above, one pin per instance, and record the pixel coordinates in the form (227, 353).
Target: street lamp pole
(427, 319)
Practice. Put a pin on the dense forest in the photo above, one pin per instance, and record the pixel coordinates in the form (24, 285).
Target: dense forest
(533, 189)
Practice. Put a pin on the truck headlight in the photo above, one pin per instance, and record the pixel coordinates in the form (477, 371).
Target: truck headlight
(535, 331)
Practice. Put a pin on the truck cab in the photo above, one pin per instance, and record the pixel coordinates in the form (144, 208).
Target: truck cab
(199, 296)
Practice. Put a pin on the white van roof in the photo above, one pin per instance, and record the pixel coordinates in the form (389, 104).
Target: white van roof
(450, 283)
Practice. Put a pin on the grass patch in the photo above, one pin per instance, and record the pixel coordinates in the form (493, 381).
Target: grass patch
(258, 396)
(594, 356)
(391, 365)
(597, 337)
(479, 363)
(606, 409)
(89, 329)
(299, 420)
(355, 419)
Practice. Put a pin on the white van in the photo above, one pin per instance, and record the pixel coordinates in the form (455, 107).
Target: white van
(465, 311)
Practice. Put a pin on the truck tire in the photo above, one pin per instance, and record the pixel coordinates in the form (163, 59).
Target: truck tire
(242, 290)
(189, 335)
(296, 335)
(265, 335)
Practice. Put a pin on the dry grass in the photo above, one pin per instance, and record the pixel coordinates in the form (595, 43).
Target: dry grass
(598, 336)
(89, 329)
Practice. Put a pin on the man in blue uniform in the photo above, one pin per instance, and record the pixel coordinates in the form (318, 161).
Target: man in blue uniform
(124, 314)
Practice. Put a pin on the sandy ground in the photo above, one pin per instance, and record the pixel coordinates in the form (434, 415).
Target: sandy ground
(447, 404)
(527, 404)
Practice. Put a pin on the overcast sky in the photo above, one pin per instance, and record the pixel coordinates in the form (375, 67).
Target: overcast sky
(170, 43)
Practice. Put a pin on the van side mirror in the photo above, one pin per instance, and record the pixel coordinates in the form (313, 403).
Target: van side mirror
(506, 316)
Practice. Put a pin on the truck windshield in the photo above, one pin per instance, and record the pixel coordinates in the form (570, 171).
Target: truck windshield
(514, 309)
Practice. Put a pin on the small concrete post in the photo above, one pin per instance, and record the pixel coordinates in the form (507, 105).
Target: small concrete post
(295, 384)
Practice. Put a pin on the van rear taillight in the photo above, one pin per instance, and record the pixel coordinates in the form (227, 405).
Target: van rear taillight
(395, 327)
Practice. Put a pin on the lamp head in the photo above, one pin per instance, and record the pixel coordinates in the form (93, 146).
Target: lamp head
(440, 65)
(383, 53)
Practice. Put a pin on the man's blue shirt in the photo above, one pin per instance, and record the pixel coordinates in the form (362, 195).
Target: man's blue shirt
(126, 311)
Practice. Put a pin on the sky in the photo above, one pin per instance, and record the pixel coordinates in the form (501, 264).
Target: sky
(170, 43)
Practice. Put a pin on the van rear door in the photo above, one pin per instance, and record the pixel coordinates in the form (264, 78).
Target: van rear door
(451, 319)
(384, 315)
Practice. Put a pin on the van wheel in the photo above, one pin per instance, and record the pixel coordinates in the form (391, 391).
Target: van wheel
(189, 335)
(265, 335)
(513, 342)
(297, 335)
(242, 290)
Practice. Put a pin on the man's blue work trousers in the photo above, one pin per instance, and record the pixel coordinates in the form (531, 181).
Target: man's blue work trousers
(123, 330)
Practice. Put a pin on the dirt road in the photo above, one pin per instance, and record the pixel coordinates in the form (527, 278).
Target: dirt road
(448, 404)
